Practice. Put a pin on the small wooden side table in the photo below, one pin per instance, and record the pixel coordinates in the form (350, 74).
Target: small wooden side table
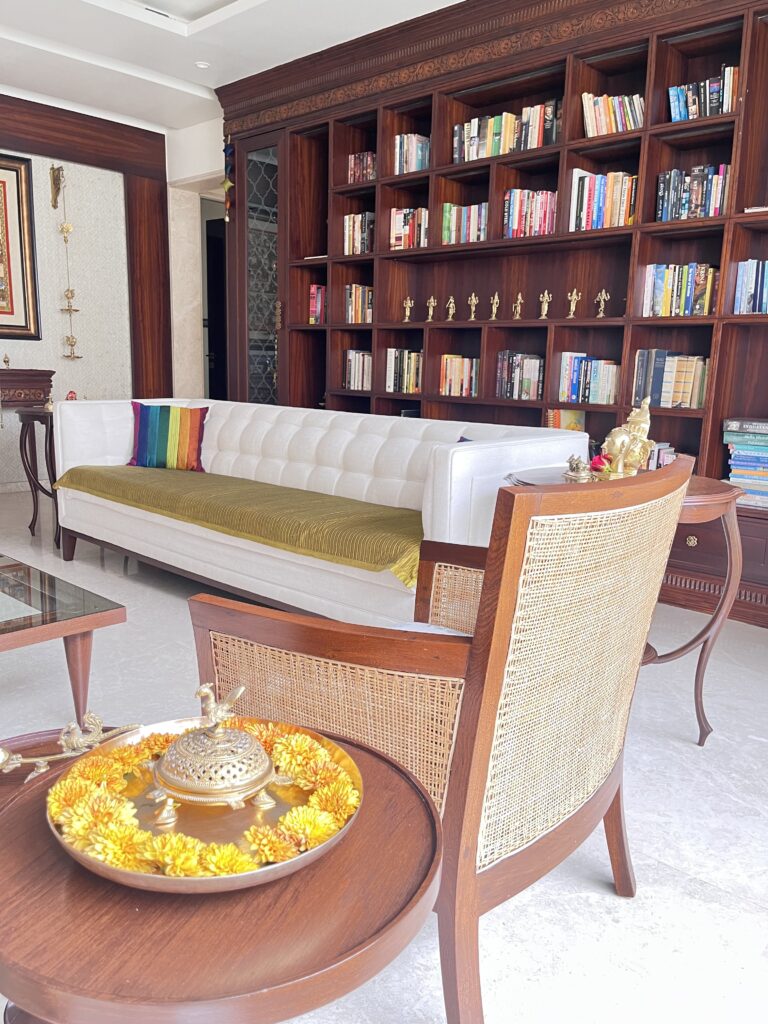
(28, 450)
(78, 949)
(705, 501)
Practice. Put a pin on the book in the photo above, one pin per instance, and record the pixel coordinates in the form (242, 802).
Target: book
(490, 135)
(462, 224)
(358, 233)
(746, 426)
(610, 115)
(567, 419)
(412, 153)
(361, 167)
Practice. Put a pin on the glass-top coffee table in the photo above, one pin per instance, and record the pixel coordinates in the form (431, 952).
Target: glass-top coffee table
(36, 606)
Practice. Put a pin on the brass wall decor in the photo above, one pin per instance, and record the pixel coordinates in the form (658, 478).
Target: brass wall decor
(65, 230)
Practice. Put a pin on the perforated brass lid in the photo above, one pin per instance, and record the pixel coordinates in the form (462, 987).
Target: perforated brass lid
(214, 765)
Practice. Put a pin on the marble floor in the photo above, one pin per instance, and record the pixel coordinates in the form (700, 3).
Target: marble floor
(692, 945)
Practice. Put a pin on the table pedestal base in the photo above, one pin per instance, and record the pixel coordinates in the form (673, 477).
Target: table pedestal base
(13, 1015)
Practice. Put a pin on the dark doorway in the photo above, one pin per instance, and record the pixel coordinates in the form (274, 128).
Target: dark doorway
(216, 276)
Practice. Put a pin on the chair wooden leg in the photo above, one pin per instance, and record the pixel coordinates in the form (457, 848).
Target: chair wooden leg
(618, 847)
(460, 964)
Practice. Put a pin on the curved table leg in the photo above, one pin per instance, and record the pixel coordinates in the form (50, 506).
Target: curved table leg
(29, 462)
(13, 1015)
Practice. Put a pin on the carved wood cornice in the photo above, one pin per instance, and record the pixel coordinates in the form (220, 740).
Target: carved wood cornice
(293, 91)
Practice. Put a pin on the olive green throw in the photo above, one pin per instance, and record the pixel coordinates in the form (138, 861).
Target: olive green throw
(342, 530)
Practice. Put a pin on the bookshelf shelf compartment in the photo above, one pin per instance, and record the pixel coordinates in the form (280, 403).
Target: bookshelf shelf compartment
(619, 72)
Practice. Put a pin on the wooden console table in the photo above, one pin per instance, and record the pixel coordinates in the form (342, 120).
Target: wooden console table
(28, 451)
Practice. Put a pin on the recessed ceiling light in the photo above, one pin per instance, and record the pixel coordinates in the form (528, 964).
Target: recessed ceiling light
(202, 64)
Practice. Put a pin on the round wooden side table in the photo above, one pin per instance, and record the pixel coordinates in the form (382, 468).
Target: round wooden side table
(705, 501)
(77, 949)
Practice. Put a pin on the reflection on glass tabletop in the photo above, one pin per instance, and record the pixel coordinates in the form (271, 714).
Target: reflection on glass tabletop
(30, 597)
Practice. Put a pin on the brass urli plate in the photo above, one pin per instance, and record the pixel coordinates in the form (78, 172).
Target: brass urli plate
(214, 824)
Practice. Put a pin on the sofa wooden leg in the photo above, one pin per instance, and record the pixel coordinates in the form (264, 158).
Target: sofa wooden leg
(460, 964)
(68, 542)
(618, 847)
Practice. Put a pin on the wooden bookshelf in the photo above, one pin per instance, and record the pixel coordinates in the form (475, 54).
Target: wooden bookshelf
(319, 132)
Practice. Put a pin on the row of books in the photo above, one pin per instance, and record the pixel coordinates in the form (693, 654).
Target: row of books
(602, 200)
(358, 233)
(408, 228)
(675, 289)
(585, 379)
(361, 168)
(464, 223)
(672, 380)
(403, 374)
(751, 287)
(497, 134)
(519, 375)
(358, 304)
(747, 442)
(357, 370)
(661, 455)
(607, 115)
(459, 376)
(707, 98)
(702, 192)
(528, 213)
(411, 153)
(317, 300)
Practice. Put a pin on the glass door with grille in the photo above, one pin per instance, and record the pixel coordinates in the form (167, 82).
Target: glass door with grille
(263, 272)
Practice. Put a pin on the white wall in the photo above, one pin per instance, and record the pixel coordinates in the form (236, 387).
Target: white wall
(195, 155)
(99, 275)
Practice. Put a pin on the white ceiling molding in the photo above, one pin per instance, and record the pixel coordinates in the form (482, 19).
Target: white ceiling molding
(173, 15)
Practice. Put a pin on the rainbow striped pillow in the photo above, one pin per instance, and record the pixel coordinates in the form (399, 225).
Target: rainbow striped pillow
(167, 436)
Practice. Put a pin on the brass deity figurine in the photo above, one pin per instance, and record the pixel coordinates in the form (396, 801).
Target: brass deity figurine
(628, 446)
(407, 306)
(494, 305)
(431, 306)
(600, 299)
(573, 298)
(578, 472)
(545, 298)
(517, 306)
(472, 302)
(450, 307)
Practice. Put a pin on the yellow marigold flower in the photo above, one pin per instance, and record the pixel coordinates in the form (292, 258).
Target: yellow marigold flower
(101, 770)
(308, 826)
(66, 792)
(119, 845)
(292, 753)
(94, 811)
(225, 859)
(267, 733)
(269, 845)
(174, 854)
(340, 799)
(320, 772)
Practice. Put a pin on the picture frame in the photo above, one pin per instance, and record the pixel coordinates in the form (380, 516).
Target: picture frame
(19, 300)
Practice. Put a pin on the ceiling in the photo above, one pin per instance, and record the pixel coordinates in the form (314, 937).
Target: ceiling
(137, 61)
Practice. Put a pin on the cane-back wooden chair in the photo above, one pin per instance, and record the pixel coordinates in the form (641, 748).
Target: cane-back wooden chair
(518, 731)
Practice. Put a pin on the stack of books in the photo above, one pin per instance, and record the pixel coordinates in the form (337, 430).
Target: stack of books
(357, 370)
(706, 98)
(662, 454)
(602, 200)
(459, 376)
(408, 228)
(567, 419)
(464, 223)
(584, 379)
(317, 295)
(403, 371)
(703, 192)
(358, 233)
(747, 442)
(607, 115)
(674, 289)
(358, 304)
(497, 134)
(528, 213)
(411, 153)
(362, 167)
(519, 375)
(672, 380)
(751, 287)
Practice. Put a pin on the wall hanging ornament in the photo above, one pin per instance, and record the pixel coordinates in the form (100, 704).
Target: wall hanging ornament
(59, 191)
(228, 184)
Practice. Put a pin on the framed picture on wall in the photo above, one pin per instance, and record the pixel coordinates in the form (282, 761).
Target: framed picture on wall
(19, 307)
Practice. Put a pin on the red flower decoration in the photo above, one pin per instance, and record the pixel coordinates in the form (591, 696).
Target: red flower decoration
(600, 462)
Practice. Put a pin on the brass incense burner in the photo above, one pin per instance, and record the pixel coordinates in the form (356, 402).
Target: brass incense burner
(215, 765)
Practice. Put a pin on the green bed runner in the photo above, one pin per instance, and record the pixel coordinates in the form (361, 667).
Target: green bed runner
(341, 530)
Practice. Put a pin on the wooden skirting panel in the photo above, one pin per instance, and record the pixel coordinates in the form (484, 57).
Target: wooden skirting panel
(700, 593)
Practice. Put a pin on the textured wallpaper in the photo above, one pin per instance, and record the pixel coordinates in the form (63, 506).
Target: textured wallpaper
(99, 275)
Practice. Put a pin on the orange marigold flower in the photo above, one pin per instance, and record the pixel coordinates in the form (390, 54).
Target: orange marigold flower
(267, 733)
(225, 859)
(66, 792)
(174, 854)
(340, 799)
(292, 753)
(308, 826)
(320, 772)
(93, 811)
(119, 845)
(269, 845)
(101, 770)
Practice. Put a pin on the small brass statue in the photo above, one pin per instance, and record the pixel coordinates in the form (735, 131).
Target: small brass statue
(573, 298)
(472, 302)
(600, 300)
(408, 305)
(431, 306)
(517, 306)
(628, 446)
(578, 471)
(545, 298)
(494, 305)
(450, 307)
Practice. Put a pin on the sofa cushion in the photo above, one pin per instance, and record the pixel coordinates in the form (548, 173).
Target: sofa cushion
(336, 529)
(167, 436)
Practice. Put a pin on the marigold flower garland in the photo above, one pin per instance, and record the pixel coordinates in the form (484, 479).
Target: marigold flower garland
(92, 809)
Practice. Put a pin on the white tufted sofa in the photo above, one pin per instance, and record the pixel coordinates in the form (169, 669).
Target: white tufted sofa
(403, 462)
